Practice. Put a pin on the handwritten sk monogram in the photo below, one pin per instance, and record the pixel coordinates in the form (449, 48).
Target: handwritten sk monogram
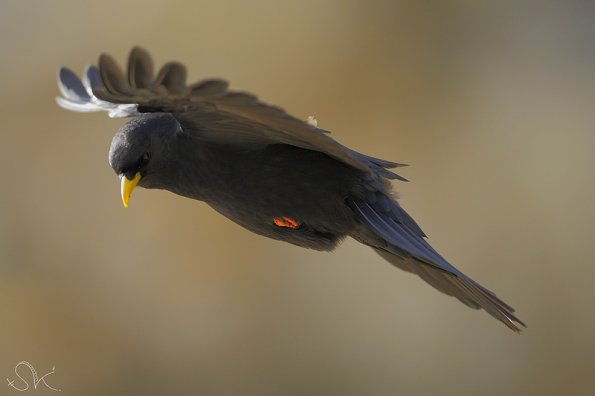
(36, 379)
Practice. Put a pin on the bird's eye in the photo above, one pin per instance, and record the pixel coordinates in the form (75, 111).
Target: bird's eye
(145, 158)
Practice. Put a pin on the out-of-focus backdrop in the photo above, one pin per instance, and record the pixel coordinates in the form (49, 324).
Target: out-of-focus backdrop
(492, 103)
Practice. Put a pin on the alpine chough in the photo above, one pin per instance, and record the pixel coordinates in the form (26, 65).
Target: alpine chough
(272, 173)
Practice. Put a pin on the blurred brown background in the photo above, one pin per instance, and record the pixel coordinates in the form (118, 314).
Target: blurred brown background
(492, 103)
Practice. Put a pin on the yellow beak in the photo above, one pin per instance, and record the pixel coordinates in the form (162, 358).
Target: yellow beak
(126, 187)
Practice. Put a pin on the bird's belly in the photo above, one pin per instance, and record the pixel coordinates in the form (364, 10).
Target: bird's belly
(282, 192)
(309, 220)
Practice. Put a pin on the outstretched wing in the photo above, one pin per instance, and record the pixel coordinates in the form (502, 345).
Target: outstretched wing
(405, 247)
(223, 115)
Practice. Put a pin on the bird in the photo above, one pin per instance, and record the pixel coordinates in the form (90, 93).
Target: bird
(270, 172)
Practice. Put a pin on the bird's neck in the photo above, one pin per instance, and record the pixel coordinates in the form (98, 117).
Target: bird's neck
(197, 164)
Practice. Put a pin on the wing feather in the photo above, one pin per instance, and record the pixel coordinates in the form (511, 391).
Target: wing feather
(406, 248)
(228, 116)
(172, 77)
(140, 69)
(71, 87)
(207, 89)
(112, 76)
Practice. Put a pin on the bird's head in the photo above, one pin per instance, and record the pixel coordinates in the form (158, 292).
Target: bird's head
(142, 152)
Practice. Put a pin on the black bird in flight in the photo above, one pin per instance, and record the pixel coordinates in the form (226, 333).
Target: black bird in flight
(274, 174)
